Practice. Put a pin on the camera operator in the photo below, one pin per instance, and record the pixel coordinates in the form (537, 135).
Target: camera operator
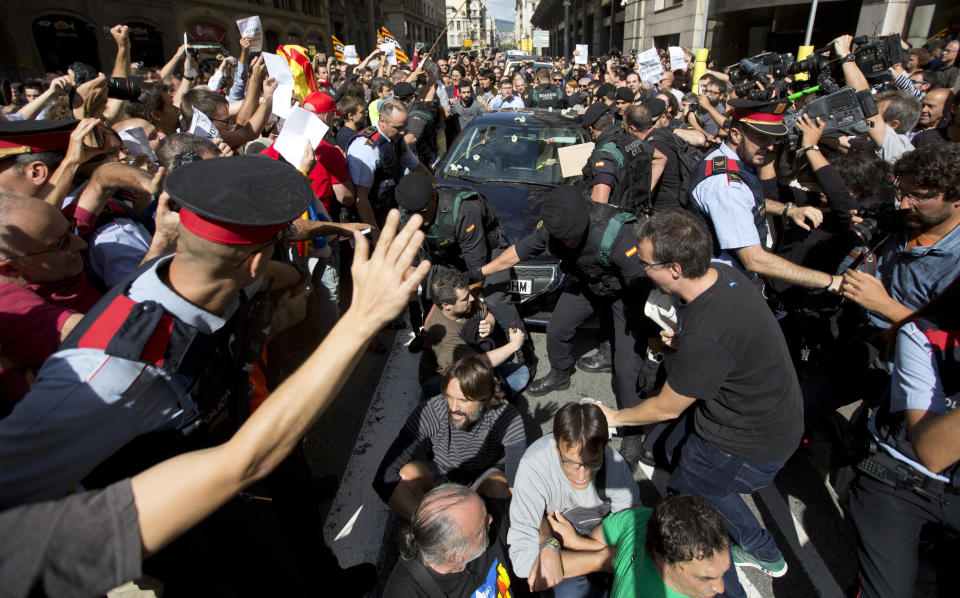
(918, 429)
(897, 111)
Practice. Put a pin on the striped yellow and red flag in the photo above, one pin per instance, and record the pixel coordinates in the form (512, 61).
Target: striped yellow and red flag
(304, 82)
(388, 38)
(379, 37)
(337, 48)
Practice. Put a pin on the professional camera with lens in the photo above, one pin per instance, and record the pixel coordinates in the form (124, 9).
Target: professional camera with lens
(844, 112)
(874, 57)
(119, 88)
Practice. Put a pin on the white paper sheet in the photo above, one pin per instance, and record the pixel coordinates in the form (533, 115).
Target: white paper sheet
(202, 125)
(279, 69)
(651, 71)
(583, 53)
(389, 53)
(300, 128)
(678, 60)
(189, 70)
(350, 55)
(251, 27)
(136, 142)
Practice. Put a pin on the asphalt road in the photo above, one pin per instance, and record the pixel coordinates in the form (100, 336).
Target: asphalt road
(800, 509)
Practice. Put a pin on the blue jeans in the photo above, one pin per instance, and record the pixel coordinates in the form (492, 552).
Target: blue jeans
(594, 585)
(703, 470)
(514, 375)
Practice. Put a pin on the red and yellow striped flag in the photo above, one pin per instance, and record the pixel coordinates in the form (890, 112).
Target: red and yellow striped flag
(304, 82)
(337, 48)
(388, 38)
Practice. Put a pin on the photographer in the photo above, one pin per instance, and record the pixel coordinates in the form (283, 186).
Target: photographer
(897, 111)
(711, 111)
(918, 429)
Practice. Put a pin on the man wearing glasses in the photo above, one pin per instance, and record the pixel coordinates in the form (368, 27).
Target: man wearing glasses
(949, 68)
(732, 369)
(570, 468)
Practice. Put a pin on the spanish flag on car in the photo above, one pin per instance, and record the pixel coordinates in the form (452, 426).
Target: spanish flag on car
(337, 48)
(304, 82)
(389, 39)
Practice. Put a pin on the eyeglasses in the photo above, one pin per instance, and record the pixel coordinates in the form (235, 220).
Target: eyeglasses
(913, 195)
(945, 51)
(558, 80)
(918, 81)
(646, 266)
(575, 466)
(62, 244)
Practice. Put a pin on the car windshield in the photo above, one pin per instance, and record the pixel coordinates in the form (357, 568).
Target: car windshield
(513, 152)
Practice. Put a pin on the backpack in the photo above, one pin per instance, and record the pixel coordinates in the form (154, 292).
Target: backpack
(687, 159)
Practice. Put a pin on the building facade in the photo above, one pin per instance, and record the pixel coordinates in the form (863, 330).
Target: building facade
(469, 28)
(42, 36)
(523, 21)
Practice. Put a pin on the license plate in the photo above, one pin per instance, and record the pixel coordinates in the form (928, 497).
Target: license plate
(522, 286)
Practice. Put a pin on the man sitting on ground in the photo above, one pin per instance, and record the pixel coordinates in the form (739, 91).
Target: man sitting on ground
(470, 433)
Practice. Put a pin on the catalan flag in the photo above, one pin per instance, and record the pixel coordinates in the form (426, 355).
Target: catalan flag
(337, 48)
(304, 82)
(389, 39)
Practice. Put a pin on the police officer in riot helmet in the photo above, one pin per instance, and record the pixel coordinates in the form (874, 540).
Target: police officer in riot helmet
(547, 94)
(462, 231)
(618, 171)
(597, 250)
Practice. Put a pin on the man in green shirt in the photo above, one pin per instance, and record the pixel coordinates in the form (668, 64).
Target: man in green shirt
(679, 548)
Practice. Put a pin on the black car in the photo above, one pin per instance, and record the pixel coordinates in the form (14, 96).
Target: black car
(506, 156)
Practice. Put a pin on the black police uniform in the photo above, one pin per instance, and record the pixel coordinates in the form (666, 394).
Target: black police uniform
(422, 125)
(621, 161)
(890, 506)
(618, 287)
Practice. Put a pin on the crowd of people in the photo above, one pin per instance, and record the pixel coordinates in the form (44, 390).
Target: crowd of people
(181, 304)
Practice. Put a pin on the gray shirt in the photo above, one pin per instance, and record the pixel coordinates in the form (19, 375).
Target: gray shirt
(467, 113)
(542, 488)
(894, 145)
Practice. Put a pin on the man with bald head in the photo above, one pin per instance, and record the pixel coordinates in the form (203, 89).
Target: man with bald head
(456, 545)
(934, 118)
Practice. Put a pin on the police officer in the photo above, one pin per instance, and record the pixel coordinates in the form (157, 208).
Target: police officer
(547, 94)
(618, 171)
(725, 190)
(421, 134)
(170, 350)
(914, 477)
(598, 250)
(376, 160)
(462, 231)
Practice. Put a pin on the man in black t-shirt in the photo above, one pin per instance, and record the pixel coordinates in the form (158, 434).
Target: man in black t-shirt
(432, 551)
(730, 363)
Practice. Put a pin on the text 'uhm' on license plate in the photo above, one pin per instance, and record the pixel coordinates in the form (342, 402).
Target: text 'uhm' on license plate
(522, 286)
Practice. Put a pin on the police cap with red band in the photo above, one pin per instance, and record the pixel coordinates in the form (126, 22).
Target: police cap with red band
(240, 200)
(765, 117)
(34, 136)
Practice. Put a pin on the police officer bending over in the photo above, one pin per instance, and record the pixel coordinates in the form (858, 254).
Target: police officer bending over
(421, 132)
(618, 171)
(597, 249)
(725, 190)
(462, 232)
(376, 160)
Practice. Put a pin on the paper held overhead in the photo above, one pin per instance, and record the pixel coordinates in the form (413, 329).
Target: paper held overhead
(350, 55)
(651, 70)
(582, 55)
(302, 127)
(389, 53)
(279, 69)
(251, 28)
(678, 59)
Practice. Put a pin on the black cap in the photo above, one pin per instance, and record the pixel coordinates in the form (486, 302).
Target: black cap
(413, 192)
(625, 94)
(565, 213)
(655, 107)
(593, 113)
(240, 200)
(403, 90)
(765, 117)
(606, 90)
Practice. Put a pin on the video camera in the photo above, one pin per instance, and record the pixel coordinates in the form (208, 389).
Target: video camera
(843, 112)
(873, 57)
(119, 88)
(761, 68)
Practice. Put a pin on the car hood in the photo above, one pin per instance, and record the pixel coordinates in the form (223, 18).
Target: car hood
(517, 206)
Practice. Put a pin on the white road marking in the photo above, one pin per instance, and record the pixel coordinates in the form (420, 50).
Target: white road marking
(355, 525)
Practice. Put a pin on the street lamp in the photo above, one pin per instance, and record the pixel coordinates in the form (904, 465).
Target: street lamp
(566, 28)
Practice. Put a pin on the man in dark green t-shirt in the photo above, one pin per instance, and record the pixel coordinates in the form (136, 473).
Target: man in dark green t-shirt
(677, 549)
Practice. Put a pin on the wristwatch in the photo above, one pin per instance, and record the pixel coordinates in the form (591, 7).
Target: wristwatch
(849, 57)
(550, 543)
(810, 147)
(786, 208)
